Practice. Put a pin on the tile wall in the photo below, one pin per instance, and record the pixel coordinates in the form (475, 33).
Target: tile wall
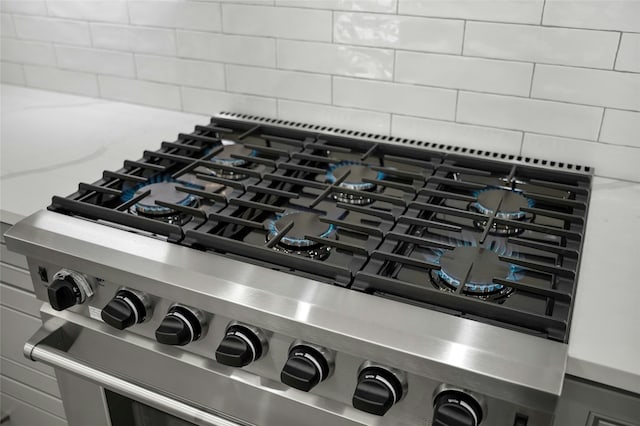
(554, 79)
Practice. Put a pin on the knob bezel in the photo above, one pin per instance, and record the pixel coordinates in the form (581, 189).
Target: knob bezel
(143, 298)
(479, 400)
(400, 375)
(174, 310)
(329, 355)
(82, 282)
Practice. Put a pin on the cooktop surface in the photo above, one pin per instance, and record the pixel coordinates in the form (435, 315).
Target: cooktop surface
(485, 236)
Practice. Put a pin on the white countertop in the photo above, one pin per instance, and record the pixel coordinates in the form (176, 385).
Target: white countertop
(75, 138)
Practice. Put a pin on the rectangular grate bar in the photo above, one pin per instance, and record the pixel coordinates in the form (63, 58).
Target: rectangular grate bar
(448, 210)
(370, 195)
(369, 152)
(271, 191)
(392, 257)
(221, 181)
(166, 156)
(124, 206)
(389, 184)
(537, 266)
(256, 160)
(363, 229)
(268, 150)
(255, 205)
(173, 145)
(455, 183)
(141, 165)
(198, 138)
(560, 186)
(366, 210)
(235, 220)
(515, 224)
(464, 304)
(546, 292)
(555, 200)
(225, 167)
(429, 223)
(446, 194)
(336, 244)
(323, 147)
(185, 209)
(172, 232)
(248, 132)
(409, 161)
(301, 168)
(100, 189)
(269, 255)
(296, 181)
(399, 173)
(204, 194)
(123, 176)
(557, 215)
(544, 247)
(316, 158)
(420, 241)
(282, 140)
(464, 170)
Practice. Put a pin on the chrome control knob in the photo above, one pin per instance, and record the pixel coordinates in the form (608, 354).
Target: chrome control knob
(456, 408)
(127, 308)
(181, 326)
(241, 345)
(379, 388)
(67, 289)
(307, 366)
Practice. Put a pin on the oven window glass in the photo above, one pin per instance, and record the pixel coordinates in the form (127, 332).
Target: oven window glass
(127, 412)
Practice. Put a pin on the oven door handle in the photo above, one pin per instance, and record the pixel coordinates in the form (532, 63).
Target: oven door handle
(49, 345)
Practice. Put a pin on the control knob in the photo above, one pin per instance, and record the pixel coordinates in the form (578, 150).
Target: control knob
(181, 326)
(307, 366)
(67, 289)
(241, 345)
(378, 388)
(127, 308)
(456, 408)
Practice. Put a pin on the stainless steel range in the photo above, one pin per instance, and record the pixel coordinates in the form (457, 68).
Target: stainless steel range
(262, 272)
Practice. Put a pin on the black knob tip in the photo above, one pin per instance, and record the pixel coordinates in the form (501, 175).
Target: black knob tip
(305, 368)
(239, 348)
(124, 310)
(63, 293)
(377, 391)
(118, 314)
(179, 327)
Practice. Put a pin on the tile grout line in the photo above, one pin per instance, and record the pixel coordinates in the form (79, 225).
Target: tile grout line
(464, 36)
(533, 74)
(615, 58)
(604, 109)
(544, 5)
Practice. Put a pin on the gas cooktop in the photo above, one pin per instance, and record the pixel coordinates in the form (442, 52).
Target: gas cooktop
(485, 236)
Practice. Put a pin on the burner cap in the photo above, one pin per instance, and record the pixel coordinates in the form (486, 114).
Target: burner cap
(509, 201)
(224, 158)
(357, 173)
(475, 267)
(304, 223)
(162, 191)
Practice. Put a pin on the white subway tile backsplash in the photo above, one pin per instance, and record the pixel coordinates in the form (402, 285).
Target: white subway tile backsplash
(621, 128)
(227, 48)
(23, 7)
(94, 60)
(261, 2)
(184, 72)
(6, 26)
(336, 59)
(541, 44)
(587, 86)
(608, 160)
(399, 32)
(28, 52)
(94, 10)
(134, 39)
(621, 15)
(279, 83)
(336, 117)
(52, 30)
(283, 22)
(61, 80)
(459, 72)
(529, 114)
(522, 11)
(629, 53)
(12, 73)
(140, 92)
(456, 134)
(382, 6)
(211, 102)
(176, 14)
(395, 98)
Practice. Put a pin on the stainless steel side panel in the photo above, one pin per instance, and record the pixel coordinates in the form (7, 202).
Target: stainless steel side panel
(504, 364)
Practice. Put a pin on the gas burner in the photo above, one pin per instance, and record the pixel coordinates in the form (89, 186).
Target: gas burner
(162, 189)
(358, 172)
(224, 158)
(509, 203)
(294, 241)
(474, 267)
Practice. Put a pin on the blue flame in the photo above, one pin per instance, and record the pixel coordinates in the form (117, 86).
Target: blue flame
(273, 231)
(230, 161)
(331, 178)
(500, 214)
(497, 246)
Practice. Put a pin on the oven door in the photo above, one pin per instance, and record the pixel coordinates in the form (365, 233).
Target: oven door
(96, 397)
(120, 379)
